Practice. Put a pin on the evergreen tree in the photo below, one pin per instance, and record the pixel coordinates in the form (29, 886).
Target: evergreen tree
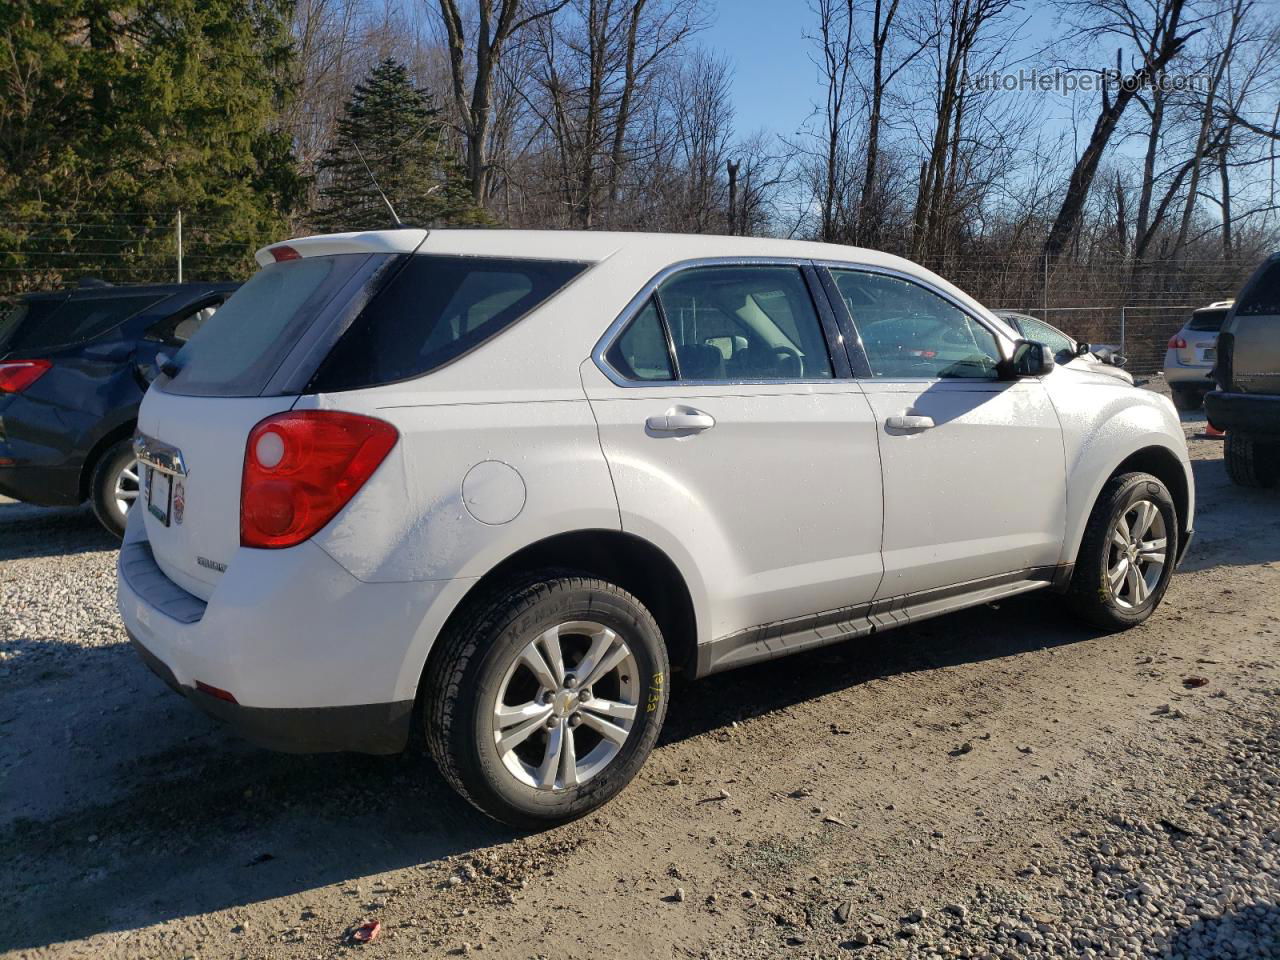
(398, 131)
(117, 113)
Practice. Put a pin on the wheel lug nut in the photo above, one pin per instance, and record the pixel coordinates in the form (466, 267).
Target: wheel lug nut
(552, 723)
(570, 681)
(575, 720)
(584, 695)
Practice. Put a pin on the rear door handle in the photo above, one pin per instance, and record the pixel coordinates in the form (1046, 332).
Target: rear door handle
(691, 422)
(909, 422)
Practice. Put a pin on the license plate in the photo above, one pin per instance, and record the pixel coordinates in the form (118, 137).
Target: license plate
(1211, 353)
(159, 494)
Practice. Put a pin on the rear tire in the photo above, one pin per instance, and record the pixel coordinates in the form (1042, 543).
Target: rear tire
(1118, 585)
(1251, 462)
(114, 487)
(511, 724)
(1187, 399)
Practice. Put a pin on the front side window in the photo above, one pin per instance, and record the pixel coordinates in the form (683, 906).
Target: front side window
(908, 331)
(744, 323)
(1050, 336)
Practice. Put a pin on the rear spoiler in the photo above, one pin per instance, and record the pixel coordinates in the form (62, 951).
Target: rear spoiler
(365, 241)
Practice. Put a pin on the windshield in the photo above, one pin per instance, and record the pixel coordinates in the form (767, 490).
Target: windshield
(1207, 321)
(44, 324)
(243, 344)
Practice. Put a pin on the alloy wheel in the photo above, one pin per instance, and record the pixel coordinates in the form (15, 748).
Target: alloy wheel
(566, 705)
(1138, 553)
(126, 487)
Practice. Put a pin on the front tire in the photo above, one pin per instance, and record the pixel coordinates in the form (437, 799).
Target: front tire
(546, 698)
(1250, 462)
(1127, 555)
(114, 486)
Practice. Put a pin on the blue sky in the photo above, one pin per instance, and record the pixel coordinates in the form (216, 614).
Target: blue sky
(775, 82)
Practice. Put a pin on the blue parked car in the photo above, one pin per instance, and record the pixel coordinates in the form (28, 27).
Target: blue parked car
(74, 365)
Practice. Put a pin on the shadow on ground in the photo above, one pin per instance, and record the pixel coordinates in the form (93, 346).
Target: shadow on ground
(27, 531)
(1235, 526)
(1245, 931)
(204, 823)
(160, 815)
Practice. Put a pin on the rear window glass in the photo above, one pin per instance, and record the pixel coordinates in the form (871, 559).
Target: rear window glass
(433, 311)
(244, 342)
(1207, 321)
(1262, 297)
(73, 321)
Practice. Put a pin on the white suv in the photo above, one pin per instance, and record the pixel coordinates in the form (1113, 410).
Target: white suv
(500, 486)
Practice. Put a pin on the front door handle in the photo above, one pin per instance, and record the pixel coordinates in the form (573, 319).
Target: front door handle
(689, 421)
(909, 422)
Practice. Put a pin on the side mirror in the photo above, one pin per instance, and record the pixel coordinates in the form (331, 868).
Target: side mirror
(1083, 349)
(1030, 359)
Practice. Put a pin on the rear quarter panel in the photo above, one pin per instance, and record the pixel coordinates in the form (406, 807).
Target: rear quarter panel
(531, 470)
(467, 486)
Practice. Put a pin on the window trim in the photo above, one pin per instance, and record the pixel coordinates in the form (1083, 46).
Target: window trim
(854, 336)
(832, 336)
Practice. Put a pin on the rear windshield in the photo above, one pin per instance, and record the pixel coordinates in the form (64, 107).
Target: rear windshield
(1262, 297)
(239, 349)
(433, 311)
(46, 324)
(1207, 321)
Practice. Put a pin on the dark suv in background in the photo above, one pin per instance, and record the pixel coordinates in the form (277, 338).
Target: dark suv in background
(74, 365)
(1247, 402)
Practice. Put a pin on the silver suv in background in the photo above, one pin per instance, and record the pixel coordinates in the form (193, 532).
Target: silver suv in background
(1192, 352)
(1247, 402)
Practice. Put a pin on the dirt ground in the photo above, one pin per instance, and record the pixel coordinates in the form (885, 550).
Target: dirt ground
(1001, 782)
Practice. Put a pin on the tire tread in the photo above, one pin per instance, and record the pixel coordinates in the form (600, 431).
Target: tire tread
(467, 638)
(1250, 462)
(1082, 593)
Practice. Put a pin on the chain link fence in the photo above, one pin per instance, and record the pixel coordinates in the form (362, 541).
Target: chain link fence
(1134, 306)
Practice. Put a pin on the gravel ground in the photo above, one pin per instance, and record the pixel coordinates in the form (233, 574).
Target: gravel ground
(997, 783)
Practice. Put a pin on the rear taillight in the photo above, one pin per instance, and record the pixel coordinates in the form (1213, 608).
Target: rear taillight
(284, 252)
(1177, 343)
(17, 375)
(301, 468)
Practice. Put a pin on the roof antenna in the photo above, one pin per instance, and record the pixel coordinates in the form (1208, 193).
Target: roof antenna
(395, 218)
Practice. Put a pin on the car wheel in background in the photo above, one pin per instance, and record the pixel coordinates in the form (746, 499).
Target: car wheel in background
(544, 699)
(1252, 462)
(1187, 399)
(114, 486)
(1127, 555)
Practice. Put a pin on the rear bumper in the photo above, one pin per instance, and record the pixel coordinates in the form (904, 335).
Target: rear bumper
(1244, 412)
(1187, 375)
(364, 728)
(316, 660)
(43, 486)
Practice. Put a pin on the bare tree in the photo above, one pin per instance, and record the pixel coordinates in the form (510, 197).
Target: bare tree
(492, 32)
(958, 32)
(1159, 41)
(835, 42)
